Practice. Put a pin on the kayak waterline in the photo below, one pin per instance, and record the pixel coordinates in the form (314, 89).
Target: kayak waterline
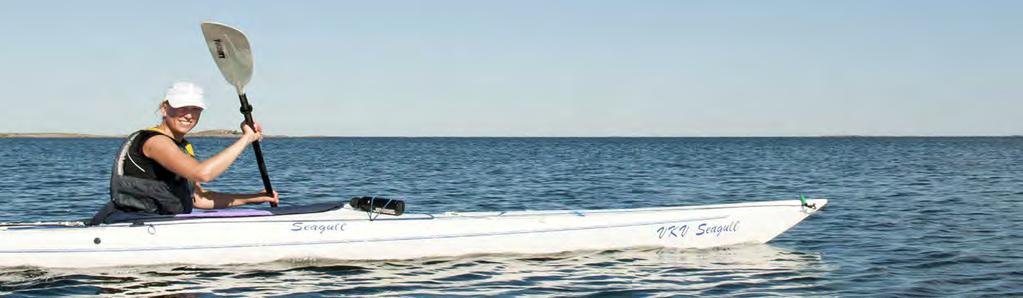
(340, 232)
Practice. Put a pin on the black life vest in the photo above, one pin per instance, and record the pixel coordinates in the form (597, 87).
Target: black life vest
(140, 184)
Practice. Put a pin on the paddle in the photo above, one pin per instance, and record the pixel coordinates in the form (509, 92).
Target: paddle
(231, 51)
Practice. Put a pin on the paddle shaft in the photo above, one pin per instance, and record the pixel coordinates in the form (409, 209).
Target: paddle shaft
(246, 110)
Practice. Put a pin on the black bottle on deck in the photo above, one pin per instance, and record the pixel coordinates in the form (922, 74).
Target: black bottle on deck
(379, 205)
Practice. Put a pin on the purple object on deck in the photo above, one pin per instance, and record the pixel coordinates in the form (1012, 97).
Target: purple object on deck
(224, 213)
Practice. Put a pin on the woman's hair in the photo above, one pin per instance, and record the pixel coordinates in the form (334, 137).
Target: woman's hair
(160, 106)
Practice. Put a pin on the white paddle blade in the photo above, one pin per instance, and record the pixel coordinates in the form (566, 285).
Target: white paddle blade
(231, 51)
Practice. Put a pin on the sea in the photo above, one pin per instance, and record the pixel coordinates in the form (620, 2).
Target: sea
(907, 216)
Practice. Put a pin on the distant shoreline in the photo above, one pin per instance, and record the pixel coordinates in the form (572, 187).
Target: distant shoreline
(216, 133)
(52, 135)
(224, 133)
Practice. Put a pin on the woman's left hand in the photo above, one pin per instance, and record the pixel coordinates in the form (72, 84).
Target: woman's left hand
(264, 198)
(252, 133)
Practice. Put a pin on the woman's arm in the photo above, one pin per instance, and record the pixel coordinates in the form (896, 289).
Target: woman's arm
(168, 155)
(206, 199)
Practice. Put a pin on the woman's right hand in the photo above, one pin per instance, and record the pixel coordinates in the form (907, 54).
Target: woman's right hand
(262, 197)
(250, 134)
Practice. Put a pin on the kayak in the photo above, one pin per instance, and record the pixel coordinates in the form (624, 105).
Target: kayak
(341, 231)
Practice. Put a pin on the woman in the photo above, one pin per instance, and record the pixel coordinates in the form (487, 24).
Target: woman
(156, 171)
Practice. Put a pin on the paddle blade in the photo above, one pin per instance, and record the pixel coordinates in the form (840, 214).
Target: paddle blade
(231, 51)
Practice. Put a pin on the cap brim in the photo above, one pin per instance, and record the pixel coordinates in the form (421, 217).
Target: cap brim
(200, 105)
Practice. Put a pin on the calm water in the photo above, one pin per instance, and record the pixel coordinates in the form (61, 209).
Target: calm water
(908, 216)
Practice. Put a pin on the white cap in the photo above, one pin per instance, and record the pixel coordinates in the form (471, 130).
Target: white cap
(183, 94)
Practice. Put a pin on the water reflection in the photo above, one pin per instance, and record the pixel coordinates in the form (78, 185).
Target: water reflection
(753, 269)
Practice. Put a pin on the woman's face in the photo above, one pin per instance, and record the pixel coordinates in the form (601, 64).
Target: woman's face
(181, 120)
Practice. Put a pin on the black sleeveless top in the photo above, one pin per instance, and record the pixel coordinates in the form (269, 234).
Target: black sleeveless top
(138, 165)
(140, 184)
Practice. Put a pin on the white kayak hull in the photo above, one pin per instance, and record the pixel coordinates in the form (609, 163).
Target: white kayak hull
(347, 234)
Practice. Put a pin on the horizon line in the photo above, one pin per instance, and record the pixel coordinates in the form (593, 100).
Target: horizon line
(60, 135)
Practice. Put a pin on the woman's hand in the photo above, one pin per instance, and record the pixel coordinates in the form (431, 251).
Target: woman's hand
(264, 198)
(252, 134)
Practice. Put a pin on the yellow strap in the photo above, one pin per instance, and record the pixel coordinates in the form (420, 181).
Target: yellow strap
(188, 145)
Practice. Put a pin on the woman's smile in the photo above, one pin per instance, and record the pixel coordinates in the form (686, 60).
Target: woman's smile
(184, 118)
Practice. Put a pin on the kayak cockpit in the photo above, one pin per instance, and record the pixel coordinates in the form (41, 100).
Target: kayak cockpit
(136, 217)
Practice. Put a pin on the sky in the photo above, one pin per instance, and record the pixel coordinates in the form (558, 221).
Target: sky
(527, 68)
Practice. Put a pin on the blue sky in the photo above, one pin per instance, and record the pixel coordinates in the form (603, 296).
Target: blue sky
(527, 68)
